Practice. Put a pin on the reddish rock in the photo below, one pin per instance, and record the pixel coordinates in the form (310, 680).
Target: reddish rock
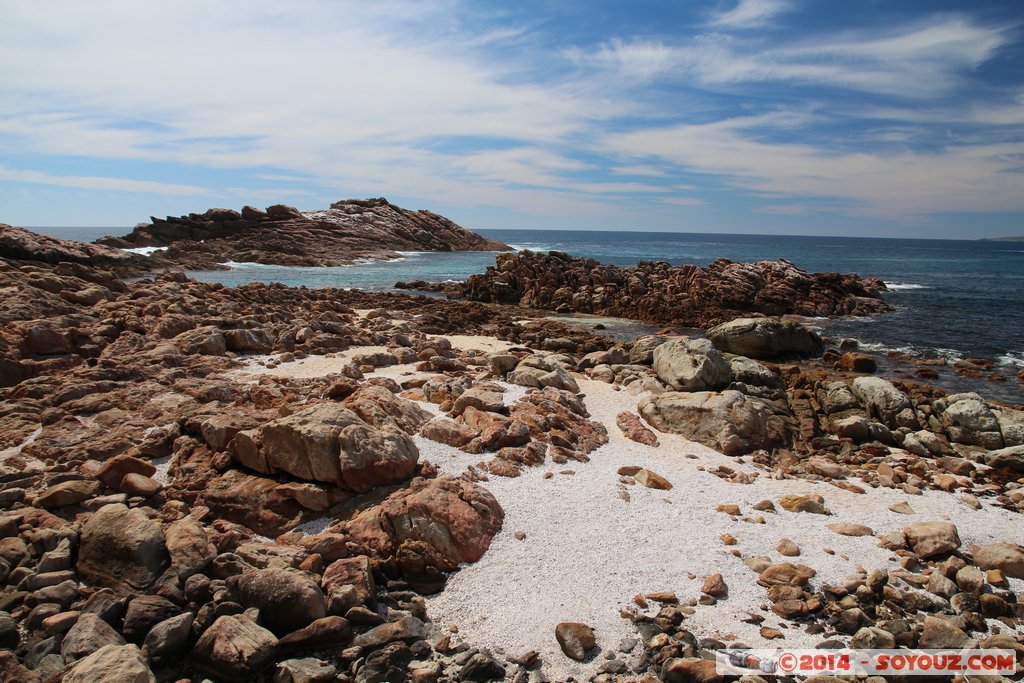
(635, 430)
(432, 526)
(351, 576)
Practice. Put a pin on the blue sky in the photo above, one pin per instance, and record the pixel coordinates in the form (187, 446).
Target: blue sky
(861, 117)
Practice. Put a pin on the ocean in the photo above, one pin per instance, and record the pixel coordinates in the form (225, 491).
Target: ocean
(953, 299)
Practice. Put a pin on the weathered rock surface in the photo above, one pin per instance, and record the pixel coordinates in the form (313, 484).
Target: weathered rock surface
(234, 648)
(122, 549)
(330, 443)
(685, 364)
(112, 663)
(728, 421)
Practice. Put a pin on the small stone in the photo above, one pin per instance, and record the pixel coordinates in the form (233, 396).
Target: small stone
(730, 509)
(520, 535)
(575, 639)
(996, 577)
(714, 586)
(847, 529)
(769, 633)
(806, 503)
(788, 548)
(727, 539)
(970, 501)
(665, 597)
(652, 480)
(902, 508)
(764, 506)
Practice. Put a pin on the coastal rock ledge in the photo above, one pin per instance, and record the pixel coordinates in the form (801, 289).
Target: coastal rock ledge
(283, 235)
(662, 293)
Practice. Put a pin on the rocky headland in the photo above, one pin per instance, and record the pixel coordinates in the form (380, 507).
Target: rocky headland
(283, 235)
(687, 295)
(267, 483)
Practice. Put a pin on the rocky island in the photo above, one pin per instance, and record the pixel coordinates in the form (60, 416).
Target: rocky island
(268, 483)
(283, 235)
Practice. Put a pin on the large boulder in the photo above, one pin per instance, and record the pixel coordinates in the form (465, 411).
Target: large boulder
(685, 364)
(928, 539)
(189, 546)
(1011, 424)
(766, 338)
(330, 443)
(1011, 456)
(1006, 557)
(234, 648)
(249, 341)
(122, 549)
(431, 526)
(969, 420)
(89, 634)
(728, 421)
(885, 402)
(111, 664)
(287, 600)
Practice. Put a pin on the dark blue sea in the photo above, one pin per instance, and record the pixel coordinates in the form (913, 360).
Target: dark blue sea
(953, 299)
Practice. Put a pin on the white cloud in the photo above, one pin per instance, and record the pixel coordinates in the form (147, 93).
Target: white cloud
(893, 185)
(751, 13)
(100, 183)
(919, 60)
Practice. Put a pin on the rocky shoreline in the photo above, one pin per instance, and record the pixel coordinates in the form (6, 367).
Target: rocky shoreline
(263, 483)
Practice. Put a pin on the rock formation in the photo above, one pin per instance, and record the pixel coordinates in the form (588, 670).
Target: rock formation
(658, 292)
(283, 235)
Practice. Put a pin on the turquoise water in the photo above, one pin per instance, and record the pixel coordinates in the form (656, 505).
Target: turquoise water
(952, 298)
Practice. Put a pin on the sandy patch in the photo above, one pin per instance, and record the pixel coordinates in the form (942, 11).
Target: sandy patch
(472, 342)
(587, 552)
(320, 366)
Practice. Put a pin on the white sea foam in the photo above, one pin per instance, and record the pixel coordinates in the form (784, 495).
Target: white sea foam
(1012, 358)
(532, 247)
(145, 251)
(904, 286)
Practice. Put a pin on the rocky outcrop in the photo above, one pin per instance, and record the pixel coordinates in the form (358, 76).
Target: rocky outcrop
(659, 292)
(23, 245)
(350, 229)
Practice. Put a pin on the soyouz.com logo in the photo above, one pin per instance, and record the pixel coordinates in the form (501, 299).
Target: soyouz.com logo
(866, 662)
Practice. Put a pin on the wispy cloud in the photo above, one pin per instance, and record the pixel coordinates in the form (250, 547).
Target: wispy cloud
(100, 183)
(919, 60)
(751, 13)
